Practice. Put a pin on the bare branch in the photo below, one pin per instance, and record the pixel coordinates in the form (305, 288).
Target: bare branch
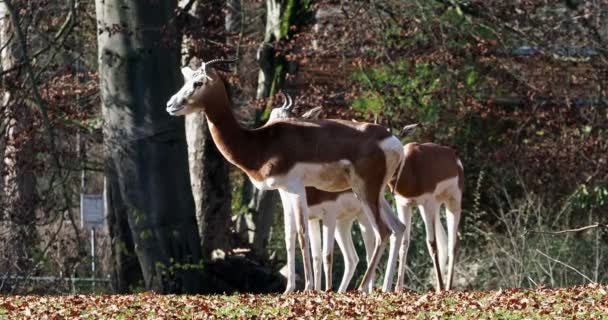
(39, 103)
(565, 265)
(593, 226)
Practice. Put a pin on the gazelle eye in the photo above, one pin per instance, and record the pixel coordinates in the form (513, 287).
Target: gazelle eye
(197, 84)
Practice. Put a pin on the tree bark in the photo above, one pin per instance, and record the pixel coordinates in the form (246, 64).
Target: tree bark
(125, 272)
(19, 185)
(208, 168)
(139, 71)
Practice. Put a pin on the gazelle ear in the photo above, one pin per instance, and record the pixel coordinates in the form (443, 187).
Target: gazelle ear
(187, 73)
(312, 113)
(408, 130)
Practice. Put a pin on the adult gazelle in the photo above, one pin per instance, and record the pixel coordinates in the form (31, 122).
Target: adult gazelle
(330, 155)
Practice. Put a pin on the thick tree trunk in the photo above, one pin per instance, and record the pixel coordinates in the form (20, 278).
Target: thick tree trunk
(139, 71)
(19, 185)
(208, 168)
(125, 270)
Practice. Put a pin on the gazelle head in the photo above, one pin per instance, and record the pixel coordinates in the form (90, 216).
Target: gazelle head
(286, 111)
(201, 87)
(283, 112)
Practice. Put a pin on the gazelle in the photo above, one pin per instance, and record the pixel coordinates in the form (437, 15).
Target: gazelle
(432, 175)
(420, 183)
(336, 211)
(331, 155)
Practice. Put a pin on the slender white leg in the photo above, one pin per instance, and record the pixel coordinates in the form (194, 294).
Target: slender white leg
(442, 245)
(379, 246)
(297, 196)
(404, 212)
(370, 202)
(395, 242)
(329, 229)
(453, 218)
(346, 245)
(367, 234)
(429, 212)
(290, 240)
(315, 246)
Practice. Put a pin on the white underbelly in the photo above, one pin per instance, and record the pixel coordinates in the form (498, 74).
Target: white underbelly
(345, 207)
(444, 191)
(331, 176)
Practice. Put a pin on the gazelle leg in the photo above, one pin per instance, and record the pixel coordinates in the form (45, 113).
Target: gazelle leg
(404, 212)
(367, 234)
(369, 190)
(346, 245)
(329, 228)
(290, 240)
(453, 218)
(442, 245)
(381, 234)
(429, 212)
(297, 196)
(315, 246)
(395, 242)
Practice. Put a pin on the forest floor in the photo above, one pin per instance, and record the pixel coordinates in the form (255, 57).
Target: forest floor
(585, 302)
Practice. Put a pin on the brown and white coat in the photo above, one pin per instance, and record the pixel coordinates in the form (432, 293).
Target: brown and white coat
(432, 175)
(331, 155)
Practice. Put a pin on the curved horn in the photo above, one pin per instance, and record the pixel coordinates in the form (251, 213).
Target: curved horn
(284, 100)
(288, 102)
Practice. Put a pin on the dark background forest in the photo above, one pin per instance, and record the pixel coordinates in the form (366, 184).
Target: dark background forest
(517, 88)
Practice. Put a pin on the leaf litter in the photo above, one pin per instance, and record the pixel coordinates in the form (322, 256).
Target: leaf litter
(580, 302)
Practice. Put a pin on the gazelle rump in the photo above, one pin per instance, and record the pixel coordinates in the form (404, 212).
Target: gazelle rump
(331, 155)
(432, 175)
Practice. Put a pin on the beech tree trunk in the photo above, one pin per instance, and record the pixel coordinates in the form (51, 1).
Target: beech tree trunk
(146, 150)
(19, 180)
(125, 272)
(208, 168)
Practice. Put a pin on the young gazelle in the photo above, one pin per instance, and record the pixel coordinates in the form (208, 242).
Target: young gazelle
(331, 155)
(419, 184)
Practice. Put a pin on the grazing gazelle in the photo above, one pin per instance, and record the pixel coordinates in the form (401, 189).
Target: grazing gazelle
(331, 155)
(432, 175)
(420, 183)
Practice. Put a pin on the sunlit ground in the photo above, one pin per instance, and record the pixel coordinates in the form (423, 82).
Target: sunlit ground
(585, 302)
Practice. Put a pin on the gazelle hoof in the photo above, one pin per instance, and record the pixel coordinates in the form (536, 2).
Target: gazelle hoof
(289, 289)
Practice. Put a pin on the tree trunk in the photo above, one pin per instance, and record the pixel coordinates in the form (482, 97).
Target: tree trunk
(208, 168)
(126, 273)
(19, 156)
(139, 71)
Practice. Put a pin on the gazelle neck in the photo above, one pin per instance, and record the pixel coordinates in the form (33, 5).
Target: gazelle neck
(232, 140)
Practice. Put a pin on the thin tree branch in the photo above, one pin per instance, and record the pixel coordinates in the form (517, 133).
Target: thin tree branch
(593, 226)
(41, 105)
(565, 265)
(64, 30)
(8, 41)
